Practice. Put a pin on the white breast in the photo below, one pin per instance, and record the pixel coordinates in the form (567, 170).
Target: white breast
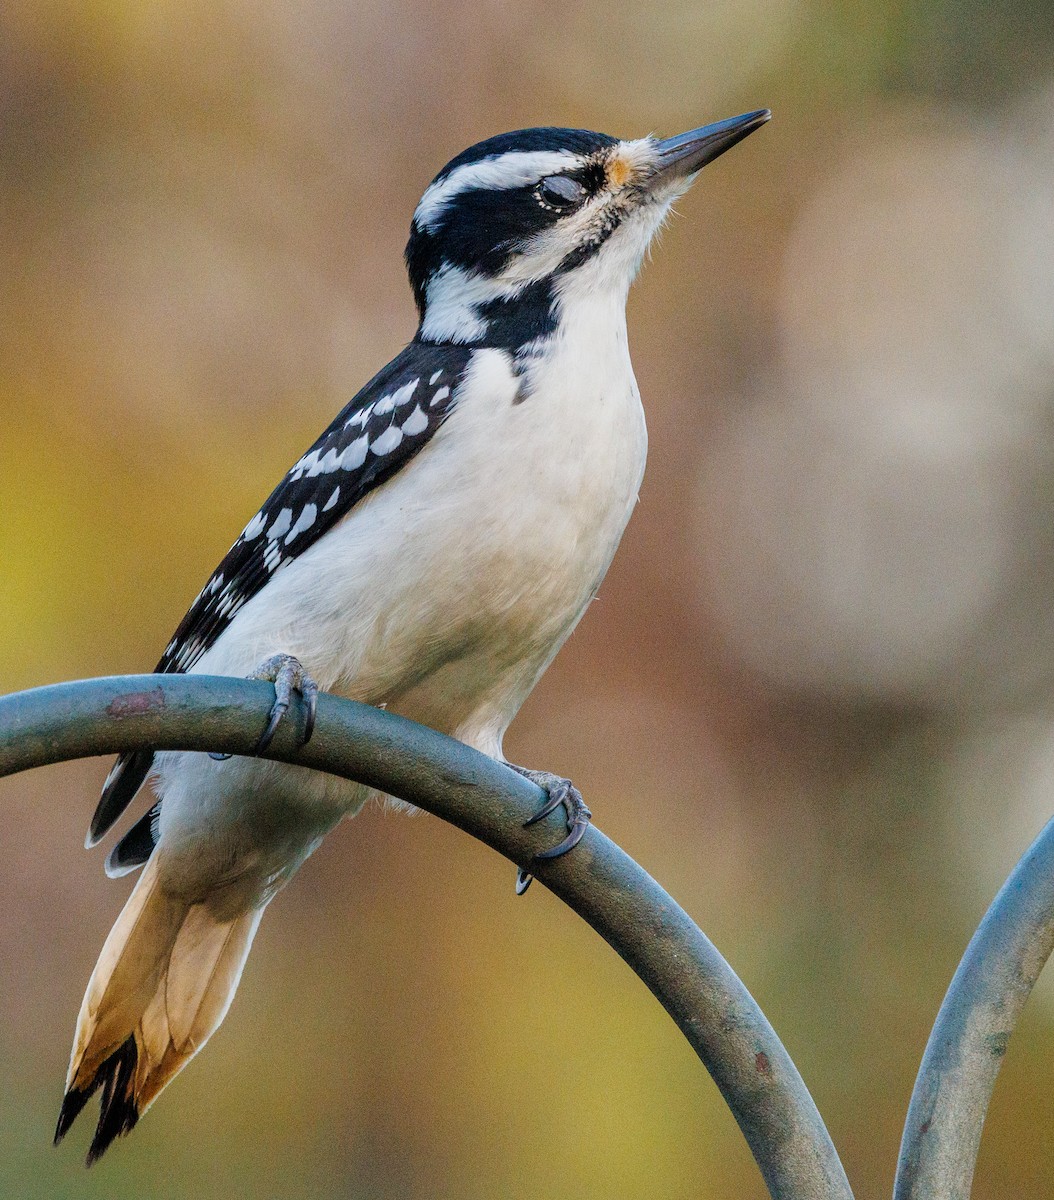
(446, 592)
(442, 595)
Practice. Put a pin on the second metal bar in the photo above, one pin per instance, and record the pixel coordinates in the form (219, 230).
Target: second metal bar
(995, 977)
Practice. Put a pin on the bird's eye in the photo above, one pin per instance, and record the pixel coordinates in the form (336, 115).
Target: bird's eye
(559, 192)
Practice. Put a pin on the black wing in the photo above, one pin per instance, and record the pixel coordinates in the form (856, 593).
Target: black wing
(375, 435)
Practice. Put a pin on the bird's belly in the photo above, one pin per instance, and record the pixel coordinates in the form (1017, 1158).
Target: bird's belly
(442, 595)
(512, 536)
(451, 587)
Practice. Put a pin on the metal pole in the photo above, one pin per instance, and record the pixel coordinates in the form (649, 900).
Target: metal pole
(599, 881)
(1003, 960)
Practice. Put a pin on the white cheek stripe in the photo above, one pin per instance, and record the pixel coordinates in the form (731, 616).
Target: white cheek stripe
(515, 169)
(452, 301)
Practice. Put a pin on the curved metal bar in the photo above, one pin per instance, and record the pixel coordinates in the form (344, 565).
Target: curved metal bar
(599, 881)
(984, 1000)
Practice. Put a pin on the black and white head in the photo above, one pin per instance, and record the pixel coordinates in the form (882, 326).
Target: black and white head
(513, 227)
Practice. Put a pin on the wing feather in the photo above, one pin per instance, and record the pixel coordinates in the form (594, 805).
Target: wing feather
(371, 439)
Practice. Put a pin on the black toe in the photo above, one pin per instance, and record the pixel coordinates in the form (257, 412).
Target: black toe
(578, 829)
(559, 793)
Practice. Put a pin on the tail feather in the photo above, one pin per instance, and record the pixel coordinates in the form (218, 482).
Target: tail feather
(126, 777)
(117, 1110)
(136, 846)
(163, 983)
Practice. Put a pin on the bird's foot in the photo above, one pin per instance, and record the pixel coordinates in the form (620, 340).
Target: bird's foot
(561, 792)
(287, 675)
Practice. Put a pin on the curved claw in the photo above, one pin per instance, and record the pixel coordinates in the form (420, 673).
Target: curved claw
(310, 694)
(278, 711)
(578, 829)
(287, 674)
(556, 798)
(559, 793)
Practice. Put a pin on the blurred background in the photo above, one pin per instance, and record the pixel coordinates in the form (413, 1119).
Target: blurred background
(814, 698)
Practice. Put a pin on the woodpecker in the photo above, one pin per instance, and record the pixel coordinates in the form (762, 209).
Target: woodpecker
(430, 553)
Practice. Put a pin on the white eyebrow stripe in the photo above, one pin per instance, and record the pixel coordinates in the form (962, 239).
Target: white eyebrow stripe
(516, 168)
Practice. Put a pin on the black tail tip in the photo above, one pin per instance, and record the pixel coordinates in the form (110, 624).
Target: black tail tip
(72, 1105)
(108, 1132)
(118, 1112)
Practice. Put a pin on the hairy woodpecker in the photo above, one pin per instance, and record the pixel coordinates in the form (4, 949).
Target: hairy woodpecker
(430, 553)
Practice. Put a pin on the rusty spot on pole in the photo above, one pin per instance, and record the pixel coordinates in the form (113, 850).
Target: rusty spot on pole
(762, 1064)
(135, 704)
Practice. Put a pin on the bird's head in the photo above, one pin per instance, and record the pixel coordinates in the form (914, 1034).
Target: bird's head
(514, 225)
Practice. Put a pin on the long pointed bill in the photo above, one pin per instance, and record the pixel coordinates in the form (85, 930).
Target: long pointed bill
(689, 152)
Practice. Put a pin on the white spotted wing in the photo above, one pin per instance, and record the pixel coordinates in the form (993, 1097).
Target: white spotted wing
(378, 432)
